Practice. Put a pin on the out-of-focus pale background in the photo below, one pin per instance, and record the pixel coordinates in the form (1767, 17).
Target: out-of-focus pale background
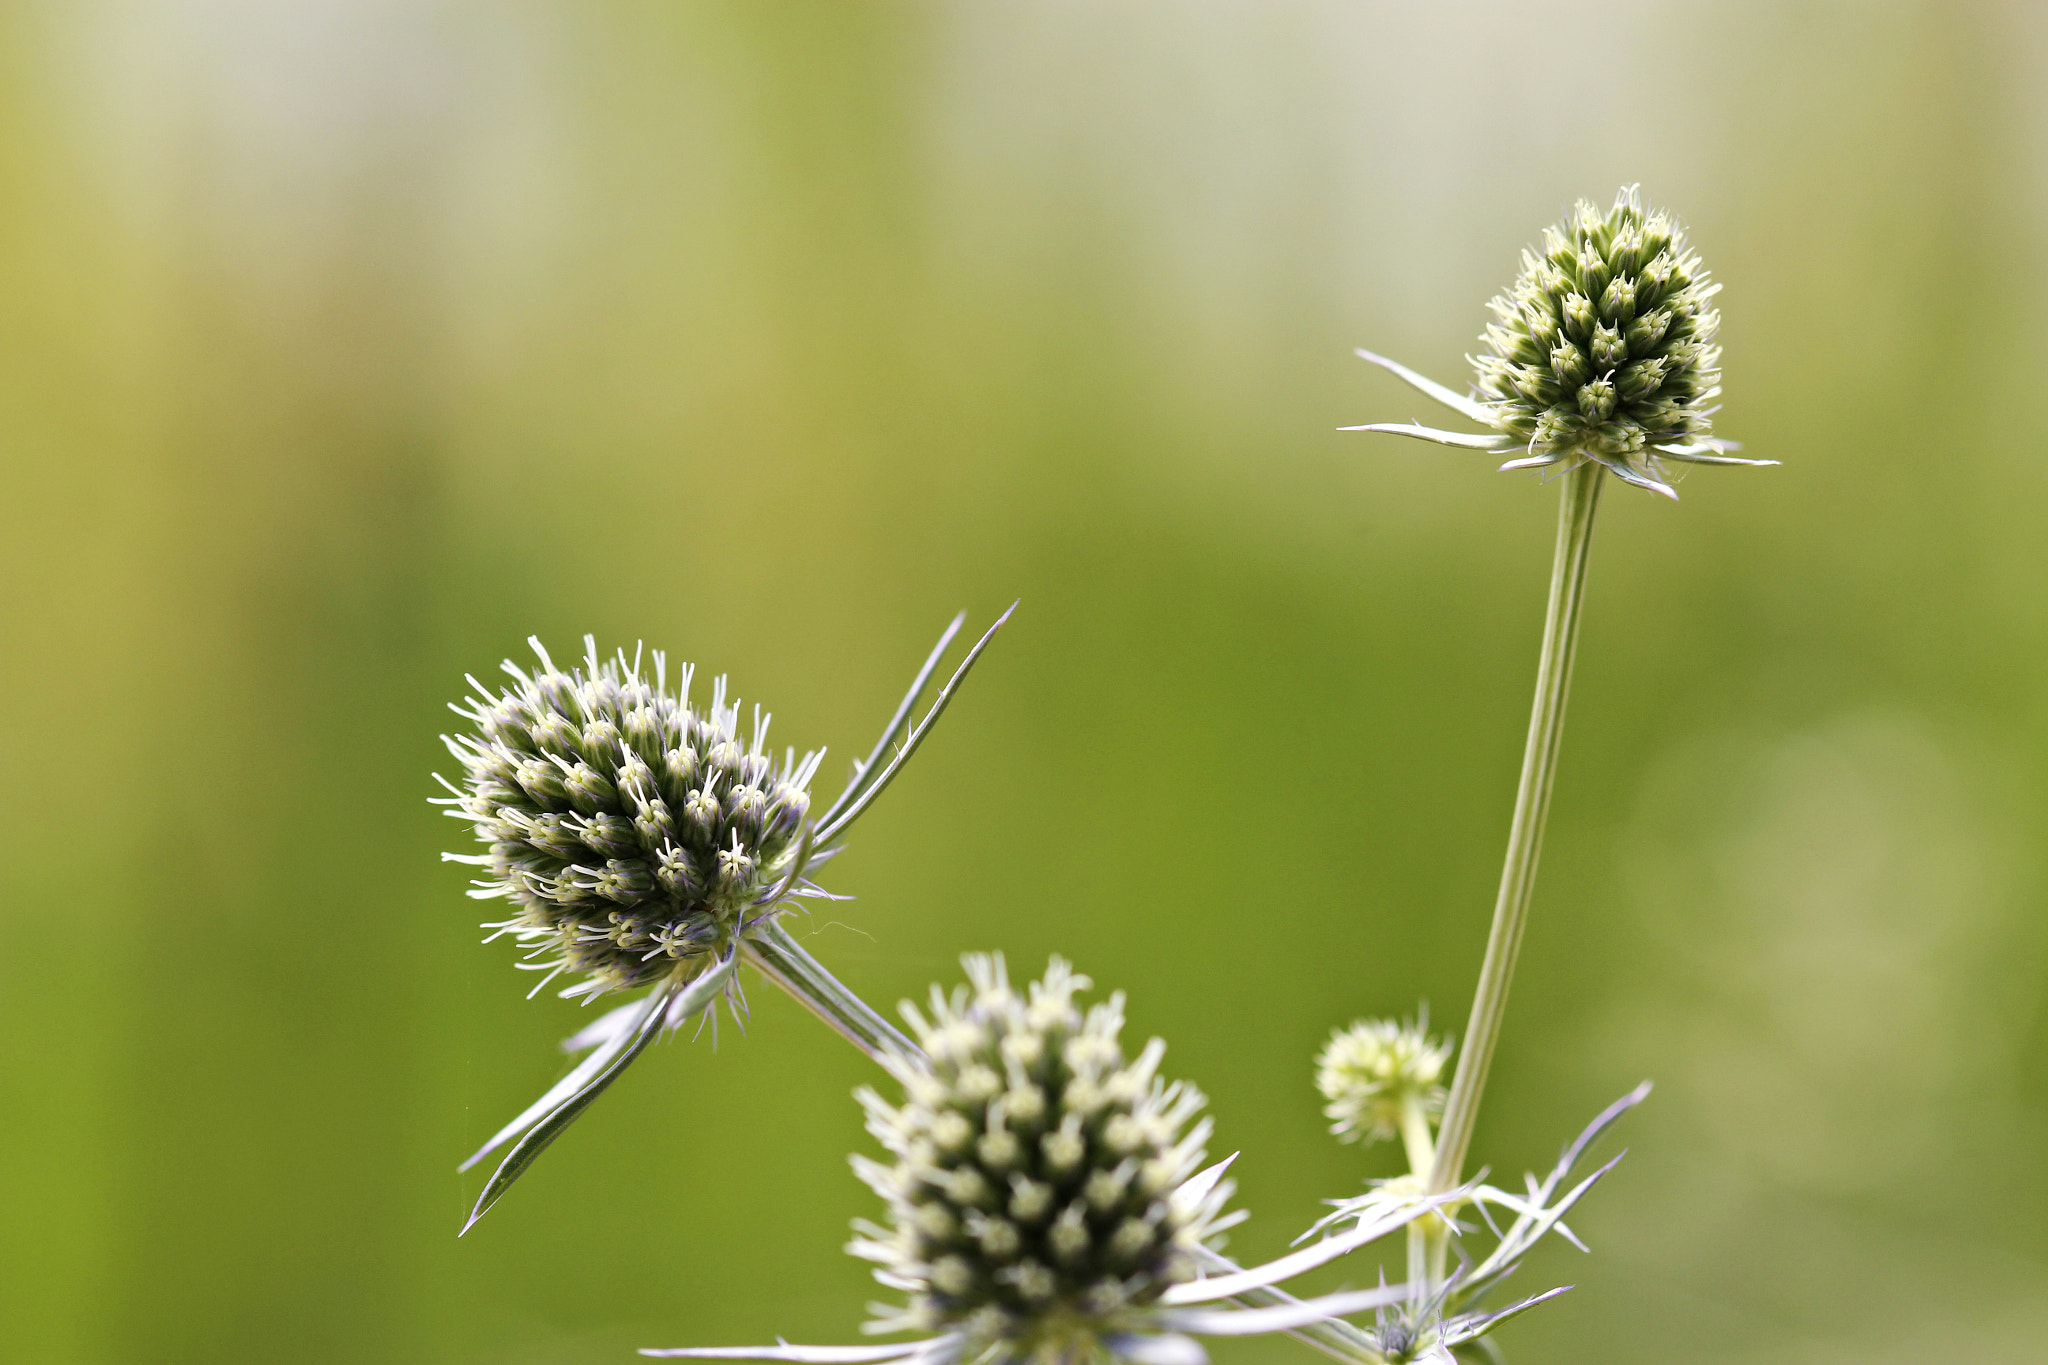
(342, 345)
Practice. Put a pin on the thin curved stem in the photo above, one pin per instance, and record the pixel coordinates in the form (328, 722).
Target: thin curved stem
(1525, 835)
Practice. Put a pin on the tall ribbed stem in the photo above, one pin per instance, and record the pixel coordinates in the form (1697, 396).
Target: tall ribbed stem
(1525, 835)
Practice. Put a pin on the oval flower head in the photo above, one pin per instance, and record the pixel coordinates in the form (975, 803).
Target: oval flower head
(1381, 1078)
(640, 842)
(1602, 350)
(1047, 1201)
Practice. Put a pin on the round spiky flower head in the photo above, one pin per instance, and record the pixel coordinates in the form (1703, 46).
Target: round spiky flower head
(1031, 1197)
(1604, 343)
(629, 831)
(1044, 1202)
(1602, 349)
(642, 843)
(1376, 1073)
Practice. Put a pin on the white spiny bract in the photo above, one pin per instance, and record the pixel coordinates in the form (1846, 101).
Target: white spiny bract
(1602, 350)
(1031, 1195)
(1044, 1206)
(630, 832)
(1373, 1071)
(1440, 1323)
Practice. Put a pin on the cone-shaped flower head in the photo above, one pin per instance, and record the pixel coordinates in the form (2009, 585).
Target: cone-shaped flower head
(1602, 349)
(1044, 1203)
(1377, 1072)
(629, 831)
(1604, 343)
(1031, 1200)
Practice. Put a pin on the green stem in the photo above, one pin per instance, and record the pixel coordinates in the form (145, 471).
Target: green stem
(1425, 1235)
(1415, 1135)
(1525, 836)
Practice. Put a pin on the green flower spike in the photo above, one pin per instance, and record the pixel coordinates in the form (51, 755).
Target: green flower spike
(1046, 1202)
(643, 843)
(1602, 350)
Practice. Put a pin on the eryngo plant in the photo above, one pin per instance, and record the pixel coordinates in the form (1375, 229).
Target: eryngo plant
(1601, 351)
(1600, 360)
(641, 842)
(1046, 1199)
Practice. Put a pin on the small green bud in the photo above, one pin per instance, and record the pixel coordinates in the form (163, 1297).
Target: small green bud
(679, 769)
(590, 791)
(551, 835)
(1608, 349)
(1064, 1148)
(999, 1149)
(1618, 300)
(654, 825)
(1131, 1240)
(1372, 1070)
(635, 780)
(1577, 313)
(642, 730)
(704, 816)
(736, 867)
(1594, 271)
(935, 1221)
(553, 733)
(724, 758)
(1641, 378)
(601, 742)
(787, 807)
(613, 836)
(543, 781)
(1030, 1200)
(1069, 1238)
(745, 810)
(1570, 365)
(968, 1188)
(1025, 1103)
(999, 1239)
(1596, 400)
(626, 880)
(678, 875)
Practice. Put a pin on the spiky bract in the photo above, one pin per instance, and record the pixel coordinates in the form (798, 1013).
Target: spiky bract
(1604, 344)
(1032, 1198)
(629, 831)
(1373, 1070)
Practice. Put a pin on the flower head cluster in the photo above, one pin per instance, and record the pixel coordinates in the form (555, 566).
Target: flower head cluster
(1604, 343)
(1376, 1074)
(1032, 1191)
(629, 831)
(1602, 350)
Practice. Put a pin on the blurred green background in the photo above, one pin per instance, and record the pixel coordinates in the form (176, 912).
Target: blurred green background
(343, 345)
